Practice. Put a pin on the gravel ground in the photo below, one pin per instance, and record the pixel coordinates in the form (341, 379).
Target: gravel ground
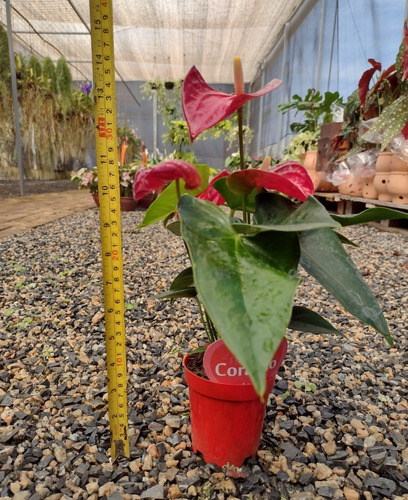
(336, 425)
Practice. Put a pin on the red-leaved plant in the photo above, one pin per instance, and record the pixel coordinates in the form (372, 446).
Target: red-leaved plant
(244, 265)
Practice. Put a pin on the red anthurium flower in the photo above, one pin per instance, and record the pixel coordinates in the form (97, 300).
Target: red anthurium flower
(290, 178)
(211, 194)
(149, 180)
(204, 106)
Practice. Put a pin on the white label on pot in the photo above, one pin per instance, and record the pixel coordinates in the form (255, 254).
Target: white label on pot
(221, 365)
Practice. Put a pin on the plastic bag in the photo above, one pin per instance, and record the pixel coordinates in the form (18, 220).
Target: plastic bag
(340, 174)
(399, 145)
(364, 129)
(363, 164)
(338, 112)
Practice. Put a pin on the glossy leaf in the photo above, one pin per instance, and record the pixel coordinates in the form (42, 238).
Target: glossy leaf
(369, 215)
(246, 296)
(291, 179)
(323, 257)
(166, 203)
(280, 214)
(306, 320)
(204, 106)
(234, 201)
(183, 280)
(345, 240)
(174, 227)
(188, 292)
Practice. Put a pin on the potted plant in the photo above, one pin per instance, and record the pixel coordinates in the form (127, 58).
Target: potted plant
(88, 179)
(375, 114)
(244, 271)
(318, 112)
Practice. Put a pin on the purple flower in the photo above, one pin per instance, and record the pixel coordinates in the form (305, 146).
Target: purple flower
(86, 88)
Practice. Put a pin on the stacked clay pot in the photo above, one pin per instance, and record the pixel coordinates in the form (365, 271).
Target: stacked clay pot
(398, 180)
(382, 175)
(353, 186)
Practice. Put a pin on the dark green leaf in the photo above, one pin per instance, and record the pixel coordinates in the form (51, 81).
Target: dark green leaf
(345, 240)
(176, 294)
(174, 227)
(183, 280)
(369, 215)
(248, 299)
(323, 256)
(306, 320)
(234, 201)
(276, 213)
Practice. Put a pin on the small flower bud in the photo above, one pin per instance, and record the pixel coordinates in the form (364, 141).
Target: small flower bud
(266, 164)
(238, 76)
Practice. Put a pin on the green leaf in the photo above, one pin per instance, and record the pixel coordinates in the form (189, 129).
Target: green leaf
(248, 299)
(323, 256)
(176, 294)
(369, 215)
(166, 203)
(390, 122)
(306, 320)
(174, 227)
(276, 213)
(183, 280)
(345, 240)
(233, 200)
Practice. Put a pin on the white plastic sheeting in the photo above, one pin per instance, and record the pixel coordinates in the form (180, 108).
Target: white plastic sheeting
(156, 39)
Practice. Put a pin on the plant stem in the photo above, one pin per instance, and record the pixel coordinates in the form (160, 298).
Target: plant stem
(178, 188)
(241, 157)
(206, 327)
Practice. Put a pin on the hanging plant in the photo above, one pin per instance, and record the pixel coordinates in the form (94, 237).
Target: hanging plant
(34, 67)
(50, 75)
(4, 56)
(64, 81)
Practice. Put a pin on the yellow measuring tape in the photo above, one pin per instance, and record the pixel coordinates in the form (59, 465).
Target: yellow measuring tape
(110, 223)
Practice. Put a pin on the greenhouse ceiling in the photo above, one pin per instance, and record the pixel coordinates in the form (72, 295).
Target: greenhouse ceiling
(156, 39)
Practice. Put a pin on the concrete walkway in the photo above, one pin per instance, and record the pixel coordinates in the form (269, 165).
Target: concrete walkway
(26, 212)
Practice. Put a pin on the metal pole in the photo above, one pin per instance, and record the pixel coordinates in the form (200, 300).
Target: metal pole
(320, 50)
(15, 99)
(282, 97)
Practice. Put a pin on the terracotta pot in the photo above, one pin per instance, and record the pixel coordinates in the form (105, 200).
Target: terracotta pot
(380, 184)
(323, 185)
(147, 200)
(127, 204)
(226, 419)
(352, 187)
(310, 163)
(382, 175)
(384, 162)
(398, 164)
(397, 187)
(310, 160)
(369, 190)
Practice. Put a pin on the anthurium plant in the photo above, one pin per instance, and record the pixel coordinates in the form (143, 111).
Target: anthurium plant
(247, 232)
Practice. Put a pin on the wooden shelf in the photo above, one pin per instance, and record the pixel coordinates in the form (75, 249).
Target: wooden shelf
(346, 204)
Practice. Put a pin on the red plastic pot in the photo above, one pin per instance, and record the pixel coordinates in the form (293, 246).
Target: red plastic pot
(226, 420)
